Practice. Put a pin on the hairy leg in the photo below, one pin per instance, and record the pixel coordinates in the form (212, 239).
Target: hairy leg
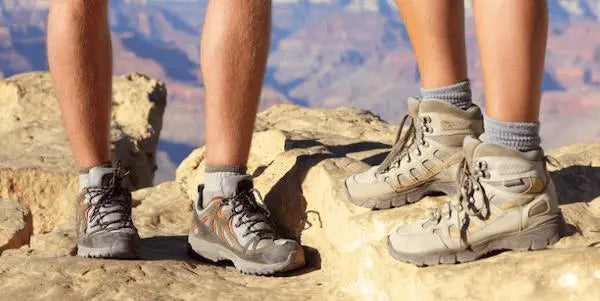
(80, 59)
(512, 41)
(437, 32)
(235, 46)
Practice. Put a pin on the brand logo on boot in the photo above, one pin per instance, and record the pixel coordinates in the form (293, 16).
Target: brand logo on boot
(448, 125)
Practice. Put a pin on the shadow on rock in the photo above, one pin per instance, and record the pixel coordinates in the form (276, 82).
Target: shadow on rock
(286, 199)
(376, 159)
(576, 184)
(164, 248)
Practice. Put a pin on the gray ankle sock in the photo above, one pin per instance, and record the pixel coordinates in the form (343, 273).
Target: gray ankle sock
(213, 180)
(522, 136)
(93, 177)
(458, 95)
(83, 171)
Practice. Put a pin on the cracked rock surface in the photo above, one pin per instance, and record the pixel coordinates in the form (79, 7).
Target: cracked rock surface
(299, 158)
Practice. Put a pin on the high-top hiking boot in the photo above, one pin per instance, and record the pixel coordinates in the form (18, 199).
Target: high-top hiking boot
(506, 202)
(424, 159)
(236, 228)
(105, 228)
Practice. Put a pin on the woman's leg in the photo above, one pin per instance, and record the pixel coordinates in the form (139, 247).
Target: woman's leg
(437, 33)
(505, 200)
(443, 115)
(512, 41)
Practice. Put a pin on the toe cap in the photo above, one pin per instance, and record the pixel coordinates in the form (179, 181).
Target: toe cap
(366, 185)
(415, 238)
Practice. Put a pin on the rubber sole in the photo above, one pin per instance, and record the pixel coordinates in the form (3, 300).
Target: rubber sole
(537, 237)
(216, 252)
(405, 197)
(117, 251)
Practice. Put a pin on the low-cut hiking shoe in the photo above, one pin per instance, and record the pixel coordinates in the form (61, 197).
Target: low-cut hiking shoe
(507, 201)
(105, 228)
(424, 159)
(237, 228)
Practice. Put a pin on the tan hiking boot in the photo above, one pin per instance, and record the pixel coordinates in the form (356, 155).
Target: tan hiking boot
(507, 201)
(424, 159)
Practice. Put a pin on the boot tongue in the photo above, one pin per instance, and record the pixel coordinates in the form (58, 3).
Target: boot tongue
(96, 177)
(470, 145)
(413, 106)
(232, 185)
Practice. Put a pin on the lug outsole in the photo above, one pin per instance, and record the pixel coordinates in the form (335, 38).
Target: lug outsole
(105, 254)
(218, 253)
(536, 238)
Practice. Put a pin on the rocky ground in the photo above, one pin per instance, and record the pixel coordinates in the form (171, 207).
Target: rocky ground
(299, 159)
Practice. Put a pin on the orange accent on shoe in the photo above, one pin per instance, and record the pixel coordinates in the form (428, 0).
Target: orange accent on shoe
(222, 235)
(230, 227)
(86, 213)
(204, 219)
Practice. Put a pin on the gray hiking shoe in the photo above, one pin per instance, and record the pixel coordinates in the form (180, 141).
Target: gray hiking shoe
(506, 202)
(105, 228)
(424, 159)
(237, 228)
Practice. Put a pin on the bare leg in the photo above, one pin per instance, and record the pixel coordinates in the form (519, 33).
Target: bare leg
(512, 41)
(437, 32)
(235, 46)
(80, 59)
(79, 53)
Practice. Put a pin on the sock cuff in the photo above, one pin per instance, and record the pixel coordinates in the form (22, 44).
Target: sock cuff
(458, 95)
(83, 171)
(523, 136)
(239, 169)
(516, 126)
(449, 91)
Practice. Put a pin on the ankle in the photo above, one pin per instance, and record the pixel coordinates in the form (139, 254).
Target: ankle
(213, 180)
(521, 136)
(84, 175)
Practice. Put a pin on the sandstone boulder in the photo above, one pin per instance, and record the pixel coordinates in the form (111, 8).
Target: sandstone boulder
(36, 165)
(299, 159)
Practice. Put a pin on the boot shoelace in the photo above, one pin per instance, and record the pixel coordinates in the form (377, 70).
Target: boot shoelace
(251, 214)
(411, 141)
(471, 201)
(114, 199)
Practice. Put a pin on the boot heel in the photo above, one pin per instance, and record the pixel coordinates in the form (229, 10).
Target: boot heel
(536, 238)
(202, 249)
